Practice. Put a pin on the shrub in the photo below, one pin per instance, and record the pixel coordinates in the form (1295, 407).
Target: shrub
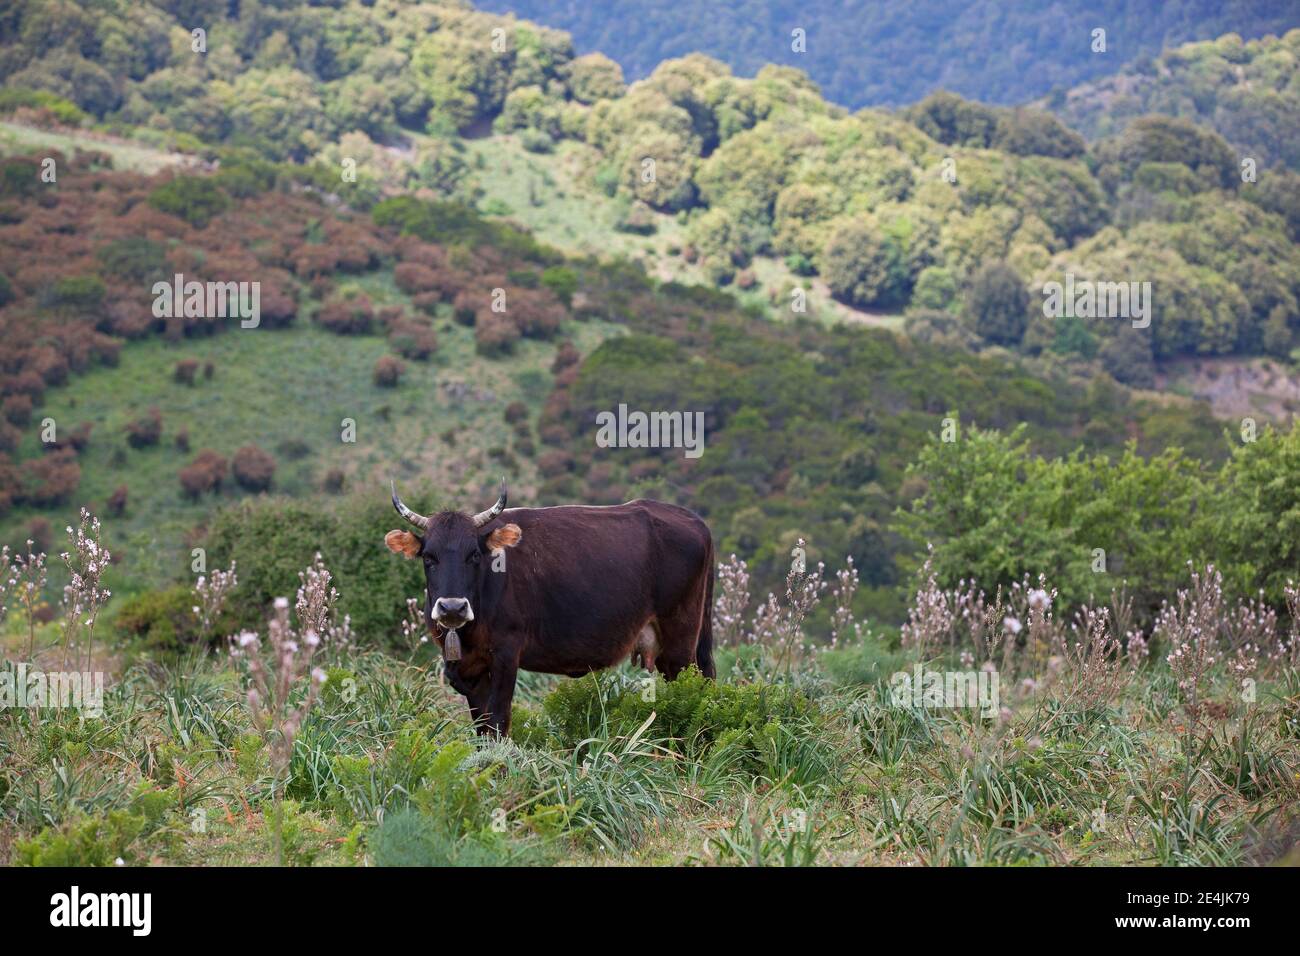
(696, 712)
(334, 481)
(116, 504)
(146, 430)
(183, 440)
(196, 199)
(205, 473)
(274, 538)
(495, 334)
(412, 340)
(161, 620)
(17, 409)
(88, 841)
(185, 372)
(346, 315)
(566, 355)
(253, 468)
(51, 479)
(388, 371)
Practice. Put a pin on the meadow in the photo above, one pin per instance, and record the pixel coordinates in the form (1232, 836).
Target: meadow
(802, 753)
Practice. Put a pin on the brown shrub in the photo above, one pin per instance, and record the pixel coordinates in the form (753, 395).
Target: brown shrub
(566, 355)
(146, 430)
(346, 315)
(186, 371)
(555, 462)
(388, 371)
(116, 503)
(205, 473)
(413, 340)
(17, 409)
(334, 481)
(51, 479)
(495, 334)
(253, 468)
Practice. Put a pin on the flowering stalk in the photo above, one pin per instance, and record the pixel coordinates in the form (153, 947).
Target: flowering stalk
(274, 675)
(210, 595)
(27, 578)
(84, 597)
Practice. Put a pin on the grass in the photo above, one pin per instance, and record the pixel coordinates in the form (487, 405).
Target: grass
(288, 391)
(18, 138)
(392, 774)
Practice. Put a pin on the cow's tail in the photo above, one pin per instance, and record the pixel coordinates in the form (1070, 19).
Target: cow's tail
(704, 647)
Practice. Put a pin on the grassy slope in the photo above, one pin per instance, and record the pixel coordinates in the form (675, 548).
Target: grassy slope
(275, 387)
(553, 196)
(19, 138)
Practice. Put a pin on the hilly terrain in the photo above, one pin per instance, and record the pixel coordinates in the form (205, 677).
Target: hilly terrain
(469, 240)
(854, 50)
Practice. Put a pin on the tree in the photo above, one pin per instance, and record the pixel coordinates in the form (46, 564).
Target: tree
(997, 305)
(595, 77)
(857, 263)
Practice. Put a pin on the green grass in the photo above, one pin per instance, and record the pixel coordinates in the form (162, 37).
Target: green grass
(552, 194)
(17, 138)
(392, 775)
(280, 389)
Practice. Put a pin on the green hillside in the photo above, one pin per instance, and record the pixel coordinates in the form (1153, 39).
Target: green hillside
(468, 242)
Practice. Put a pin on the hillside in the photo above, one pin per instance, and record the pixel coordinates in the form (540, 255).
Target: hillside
(854, 50)
(437, 245)
(761, 183)
(1247, 91)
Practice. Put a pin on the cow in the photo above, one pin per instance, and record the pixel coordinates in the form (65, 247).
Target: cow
(562, 590)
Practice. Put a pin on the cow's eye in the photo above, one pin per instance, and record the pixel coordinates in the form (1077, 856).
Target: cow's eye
(473, 557)
(430, 562)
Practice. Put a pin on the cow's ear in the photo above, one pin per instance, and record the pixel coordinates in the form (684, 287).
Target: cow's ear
(403, 543)
(506, 536)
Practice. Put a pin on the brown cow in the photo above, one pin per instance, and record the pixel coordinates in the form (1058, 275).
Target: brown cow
(563, 590)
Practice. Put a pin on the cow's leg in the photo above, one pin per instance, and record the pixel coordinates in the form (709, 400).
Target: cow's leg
(476, 694)
(501, 694)
(679, 635)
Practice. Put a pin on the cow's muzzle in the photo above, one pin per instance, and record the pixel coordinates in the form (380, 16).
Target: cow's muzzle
(451, 613)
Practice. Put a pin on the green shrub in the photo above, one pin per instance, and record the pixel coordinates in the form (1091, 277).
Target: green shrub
(196, 199)
(693, 710)
(274, 538)
(162, 620)
(89, 841)
(63, 110)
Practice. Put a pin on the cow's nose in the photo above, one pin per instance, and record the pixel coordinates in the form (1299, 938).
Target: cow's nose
(455, 609)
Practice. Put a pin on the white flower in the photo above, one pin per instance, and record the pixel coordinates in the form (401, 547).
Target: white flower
(119, 862)
(247, 638)
(282, 604)
(1040, 599)
(1011, 625)
(318, 675)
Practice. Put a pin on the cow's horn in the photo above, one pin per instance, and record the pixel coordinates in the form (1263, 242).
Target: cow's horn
(420, 521)
(483, 517)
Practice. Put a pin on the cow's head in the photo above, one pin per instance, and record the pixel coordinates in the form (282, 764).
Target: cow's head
(456, 550)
